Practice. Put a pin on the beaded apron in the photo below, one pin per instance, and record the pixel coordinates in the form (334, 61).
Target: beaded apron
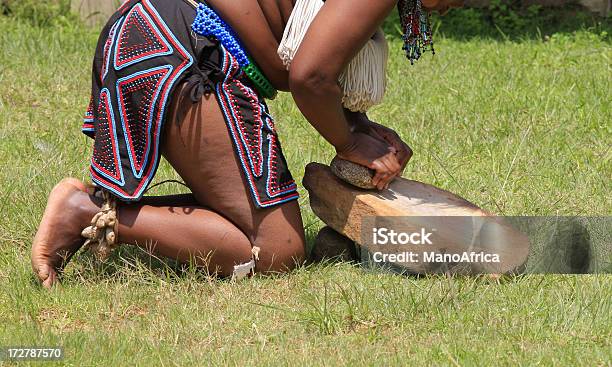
(146, 49)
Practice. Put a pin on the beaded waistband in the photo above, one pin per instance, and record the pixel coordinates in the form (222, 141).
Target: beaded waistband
(208, 23)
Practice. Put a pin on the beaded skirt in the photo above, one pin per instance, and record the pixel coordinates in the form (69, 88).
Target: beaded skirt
(145, 50)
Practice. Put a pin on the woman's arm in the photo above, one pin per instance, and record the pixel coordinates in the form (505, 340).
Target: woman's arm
(247, 19)
(336, 35)
(441, 6)
(339, 31)
(355, 119)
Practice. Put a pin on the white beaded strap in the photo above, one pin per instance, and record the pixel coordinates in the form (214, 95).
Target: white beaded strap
(302, 15)
(364, 81)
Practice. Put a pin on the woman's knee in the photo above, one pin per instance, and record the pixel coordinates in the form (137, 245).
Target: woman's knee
(280, 236)
(282, 256)
(236, 250)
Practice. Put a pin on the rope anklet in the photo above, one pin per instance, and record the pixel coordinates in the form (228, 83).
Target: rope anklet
(102, 234)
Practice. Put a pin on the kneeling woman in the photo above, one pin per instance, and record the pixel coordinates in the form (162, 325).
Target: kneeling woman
(181, 78)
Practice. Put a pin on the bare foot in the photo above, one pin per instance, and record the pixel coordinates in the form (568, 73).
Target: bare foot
(77, 183)
(59, 234)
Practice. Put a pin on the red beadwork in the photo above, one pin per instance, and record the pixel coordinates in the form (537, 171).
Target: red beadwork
(139, 39)
(252, 132)
(137, 102)
(106, 152)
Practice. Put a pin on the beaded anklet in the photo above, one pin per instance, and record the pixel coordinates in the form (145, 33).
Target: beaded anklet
(208, 23)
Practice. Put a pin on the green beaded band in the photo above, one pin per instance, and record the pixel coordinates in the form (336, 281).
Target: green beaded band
(262, 84)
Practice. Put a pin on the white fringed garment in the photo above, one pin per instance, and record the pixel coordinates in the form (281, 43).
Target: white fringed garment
(364, 80)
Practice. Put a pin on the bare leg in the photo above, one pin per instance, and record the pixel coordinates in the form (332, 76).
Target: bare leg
(184, 233)
(180, 226)
(218, 222)
(214, 175)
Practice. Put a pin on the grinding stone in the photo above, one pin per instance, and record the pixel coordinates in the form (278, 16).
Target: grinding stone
(352, 173)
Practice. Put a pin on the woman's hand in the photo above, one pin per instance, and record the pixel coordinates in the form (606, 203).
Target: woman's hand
(375, 154)
(335, 36)
(362, 124)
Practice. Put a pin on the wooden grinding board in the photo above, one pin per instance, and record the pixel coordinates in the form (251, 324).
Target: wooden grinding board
(346, 208)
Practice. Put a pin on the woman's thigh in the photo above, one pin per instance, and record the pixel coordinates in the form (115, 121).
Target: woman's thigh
(197, 144)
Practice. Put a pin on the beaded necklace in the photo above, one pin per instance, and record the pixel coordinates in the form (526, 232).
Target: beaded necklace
(416, 27)
(208, 23)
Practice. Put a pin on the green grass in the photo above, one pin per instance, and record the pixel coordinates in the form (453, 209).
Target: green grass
(519, 128)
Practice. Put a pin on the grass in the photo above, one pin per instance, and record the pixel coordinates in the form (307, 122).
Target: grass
(518, 127)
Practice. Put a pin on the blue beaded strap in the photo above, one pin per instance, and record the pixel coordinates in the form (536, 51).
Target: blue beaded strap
(208, 23)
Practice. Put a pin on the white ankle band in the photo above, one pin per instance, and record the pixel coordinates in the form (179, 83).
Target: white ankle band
(247, 269)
